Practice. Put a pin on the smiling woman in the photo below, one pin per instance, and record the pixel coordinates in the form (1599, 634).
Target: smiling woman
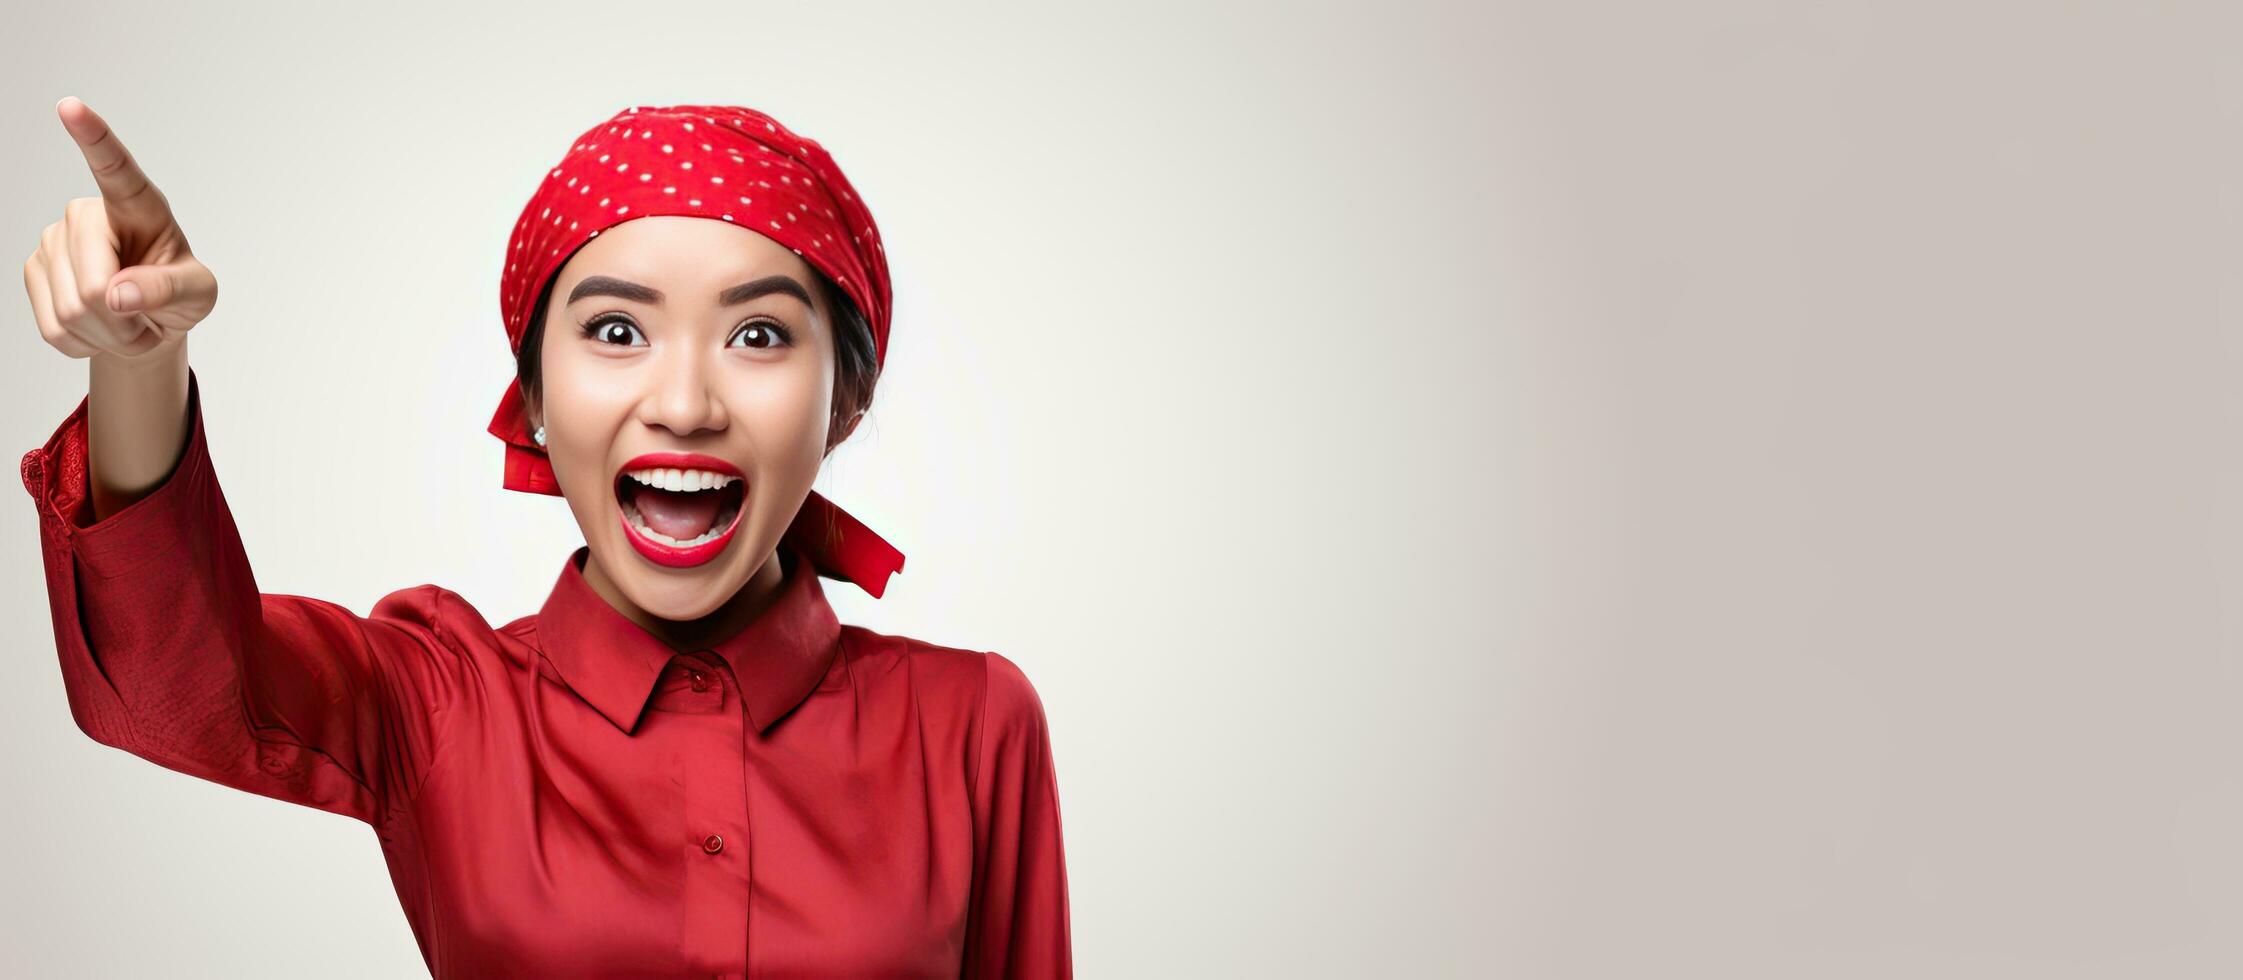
(704, 341)
(682, 764)
(686, 525)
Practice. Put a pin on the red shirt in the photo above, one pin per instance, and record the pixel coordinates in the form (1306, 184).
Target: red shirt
(565, 795)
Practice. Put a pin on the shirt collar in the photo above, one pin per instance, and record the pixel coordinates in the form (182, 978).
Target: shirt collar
(614, 663)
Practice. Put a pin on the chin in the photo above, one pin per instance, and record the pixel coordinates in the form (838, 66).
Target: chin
(675, 596)
(692, 576)
(683, 594)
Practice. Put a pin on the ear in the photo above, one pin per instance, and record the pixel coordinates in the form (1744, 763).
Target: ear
(848, 426)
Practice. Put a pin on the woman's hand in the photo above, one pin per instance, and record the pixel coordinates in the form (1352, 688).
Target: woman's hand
(114, 276)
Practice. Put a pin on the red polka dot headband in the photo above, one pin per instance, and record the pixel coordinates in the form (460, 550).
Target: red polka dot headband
(724, 163)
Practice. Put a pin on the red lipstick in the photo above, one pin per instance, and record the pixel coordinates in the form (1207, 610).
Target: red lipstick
(679, 461)
(670, 555)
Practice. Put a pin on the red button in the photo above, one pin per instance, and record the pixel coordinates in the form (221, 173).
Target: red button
(700, 681)
(712, 843)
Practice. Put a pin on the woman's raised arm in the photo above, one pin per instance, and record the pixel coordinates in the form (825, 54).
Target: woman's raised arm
(168, 650)
(115, 282)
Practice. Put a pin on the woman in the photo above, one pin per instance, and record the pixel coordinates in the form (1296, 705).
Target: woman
(681, 765)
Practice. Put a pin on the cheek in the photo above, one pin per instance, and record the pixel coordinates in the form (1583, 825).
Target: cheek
(786, 415)
(578, 382)
(582, 407)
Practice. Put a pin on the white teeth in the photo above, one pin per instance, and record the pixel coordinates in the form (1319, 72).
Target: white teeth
(682, 480)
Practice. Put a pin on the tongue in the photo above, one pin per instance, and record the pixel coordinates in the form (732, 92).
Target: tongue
(683, 516)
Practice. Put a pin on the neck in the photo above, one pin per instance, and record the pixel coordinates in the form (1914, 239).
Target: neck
(761, 589)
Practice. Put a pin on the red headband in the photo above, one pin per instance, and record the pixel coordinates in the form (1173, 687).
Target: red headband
(724, 163)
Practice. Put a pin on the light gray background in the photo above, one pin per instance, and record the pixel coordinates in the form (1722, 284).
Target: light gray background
(1545, 490)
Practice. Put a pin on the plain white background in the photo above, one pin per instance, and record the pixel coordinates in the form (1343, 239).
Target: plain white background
(1739, 489)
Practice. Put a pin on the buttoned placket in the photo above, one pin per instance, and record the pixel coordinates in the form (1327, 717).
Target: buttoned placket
(714, 779)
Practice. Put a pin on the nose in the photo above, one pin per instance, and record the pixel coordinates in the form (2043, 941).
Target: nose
(682, 396)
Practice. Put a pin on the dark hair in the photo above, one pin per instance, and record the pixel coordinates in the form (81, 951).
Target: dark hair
(856, 366)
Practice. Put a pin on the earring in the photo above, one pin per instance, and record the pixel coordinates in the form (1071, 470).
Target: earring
(539, 435)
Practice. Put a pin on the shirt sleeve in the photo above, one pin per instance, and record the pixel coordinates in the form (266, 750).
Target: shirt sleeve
(171, 653)
(1018, 923)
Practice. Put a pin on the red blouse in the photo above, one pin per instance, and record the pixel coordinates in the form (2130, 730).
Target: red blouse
(565, 795)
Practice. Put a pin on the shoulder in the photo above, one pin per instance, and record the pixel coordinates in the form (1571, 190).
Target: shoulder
(985, 687)
(1008, 699)
(934, 671)
(436, 611)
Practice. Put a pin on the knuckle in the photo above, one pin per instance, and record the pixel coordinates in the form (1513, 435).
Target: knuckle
(139, 192)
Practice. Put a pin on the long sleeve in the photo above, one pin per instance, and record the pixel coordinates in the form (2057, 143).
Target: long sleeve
(1018, 923)
(171, 653)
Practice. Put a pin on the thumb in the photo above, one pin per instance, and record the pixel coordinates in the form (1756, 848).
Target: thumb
(185, 287)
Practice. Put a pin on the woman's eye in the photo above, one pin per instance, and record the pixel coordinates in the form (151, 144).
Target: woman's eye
(618, 331)
(763, 334)
(614, 330)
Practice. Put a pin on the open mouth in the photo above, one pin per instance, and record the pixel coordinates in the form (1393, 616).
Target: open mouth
(679, 516)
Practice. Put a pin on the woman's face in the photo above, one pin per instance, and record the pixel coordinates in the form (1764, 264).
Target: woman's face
(682, 335)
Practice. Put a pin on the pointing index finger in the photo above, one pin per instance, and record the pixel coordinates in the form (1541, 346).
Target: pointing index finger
(124, 187)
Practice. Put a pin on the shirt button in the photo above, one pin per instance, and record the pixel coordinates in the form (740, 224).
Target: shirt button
(700, 681)
(712, 843)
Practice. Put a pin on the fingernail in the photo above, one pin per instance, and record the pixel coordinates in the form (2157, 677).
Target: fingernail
(125, 298)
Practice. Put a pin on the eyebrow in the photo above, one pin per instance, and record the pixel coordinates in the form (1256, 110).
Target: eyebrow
(625, 289)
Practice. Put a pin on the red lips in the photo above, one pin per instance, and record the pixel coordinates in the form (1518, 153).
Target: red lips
(671, 555)
(679, 461)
